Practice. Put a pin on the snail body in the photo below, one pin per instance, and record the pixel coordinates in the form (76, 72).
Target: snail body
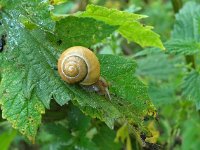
(79, 65)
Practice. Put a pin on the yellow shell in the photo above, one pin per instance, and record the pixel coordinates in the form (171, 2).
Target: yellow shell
(79, 65)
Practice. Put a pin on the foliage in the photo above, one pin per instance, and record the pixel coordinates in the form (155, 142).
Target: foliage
(191, 87)
(25, 85)
(130, 28)
(185, 35)
(6, 139)
(154, 92)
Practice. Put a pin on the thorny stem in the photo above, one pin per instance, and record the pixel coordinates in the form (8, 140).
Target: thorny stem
(177, 4)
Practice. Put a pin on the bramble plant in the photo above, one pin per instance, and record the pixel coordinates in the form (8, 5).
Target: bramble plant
(149, 107)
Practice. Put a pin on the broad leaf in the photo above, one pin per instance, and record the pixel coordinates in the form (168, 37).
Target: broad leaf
(161, 72)
(191, 87)
(143, 35)
(38, 58)
(157, 67)
(29, 80)
(190, 134)
(108, 142)
(184, 47)
(162, 94)
(35, 59)
(73, 31)
(130, 28)
(72, 132)
(6, 139)
(129, 99)
(31, 13)
(186, 33)
(108, 15)
(20, 107)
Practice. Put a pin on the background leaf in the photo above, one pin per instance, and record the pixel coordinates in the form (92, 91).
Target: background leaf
(6, 138)
(191, 87)
(68, 33)
(130, 29)
(157, 67)
(186, 35)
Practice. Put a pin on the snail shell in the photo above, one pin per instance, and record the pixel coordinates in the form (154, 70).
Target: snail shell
(79, 65)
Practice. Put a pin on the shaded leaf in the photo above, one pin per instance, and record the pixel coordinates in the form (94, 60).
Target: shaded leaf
(186, 33)
(191, 87)
(184, 47)
(190, 134)
(157, 67)
(104, 139)
(92, 31)
(6, 138)
(162, 94)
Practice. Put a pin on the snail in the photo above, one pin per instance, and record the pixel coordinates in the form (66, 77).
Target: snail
(80, 65)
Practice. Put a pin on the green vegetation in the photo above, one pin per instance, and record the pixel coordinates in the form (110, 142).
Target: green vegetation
(149, 55)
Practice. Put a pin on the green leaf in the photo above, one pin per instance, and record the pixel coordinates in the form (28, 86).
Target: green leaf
(72, 132)
(162, 94)
(48, 135)
(31, 13)
(73, 31)
(190, 135)
(161, 72)
(104, 139)
(18, 106)
(157, 67)
(129, 99)
(119, 71)
(77, 120)
(86, 144)
(184, 47)
(27, 75)
(29, 80)
(31, 46)
(186, 33)
(130, 28)
(34, 58)
(143, 35)
(108, 15)
(6, 138)
(191, 87)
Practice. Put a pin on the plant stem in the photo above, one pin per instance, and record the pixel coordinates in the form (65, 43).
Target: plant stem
(190, 60)
(83, 4)
(177, 4)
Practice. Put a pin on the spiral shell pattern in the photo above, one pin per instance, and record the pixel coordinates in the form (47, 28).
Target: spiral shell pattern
(79, 65)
